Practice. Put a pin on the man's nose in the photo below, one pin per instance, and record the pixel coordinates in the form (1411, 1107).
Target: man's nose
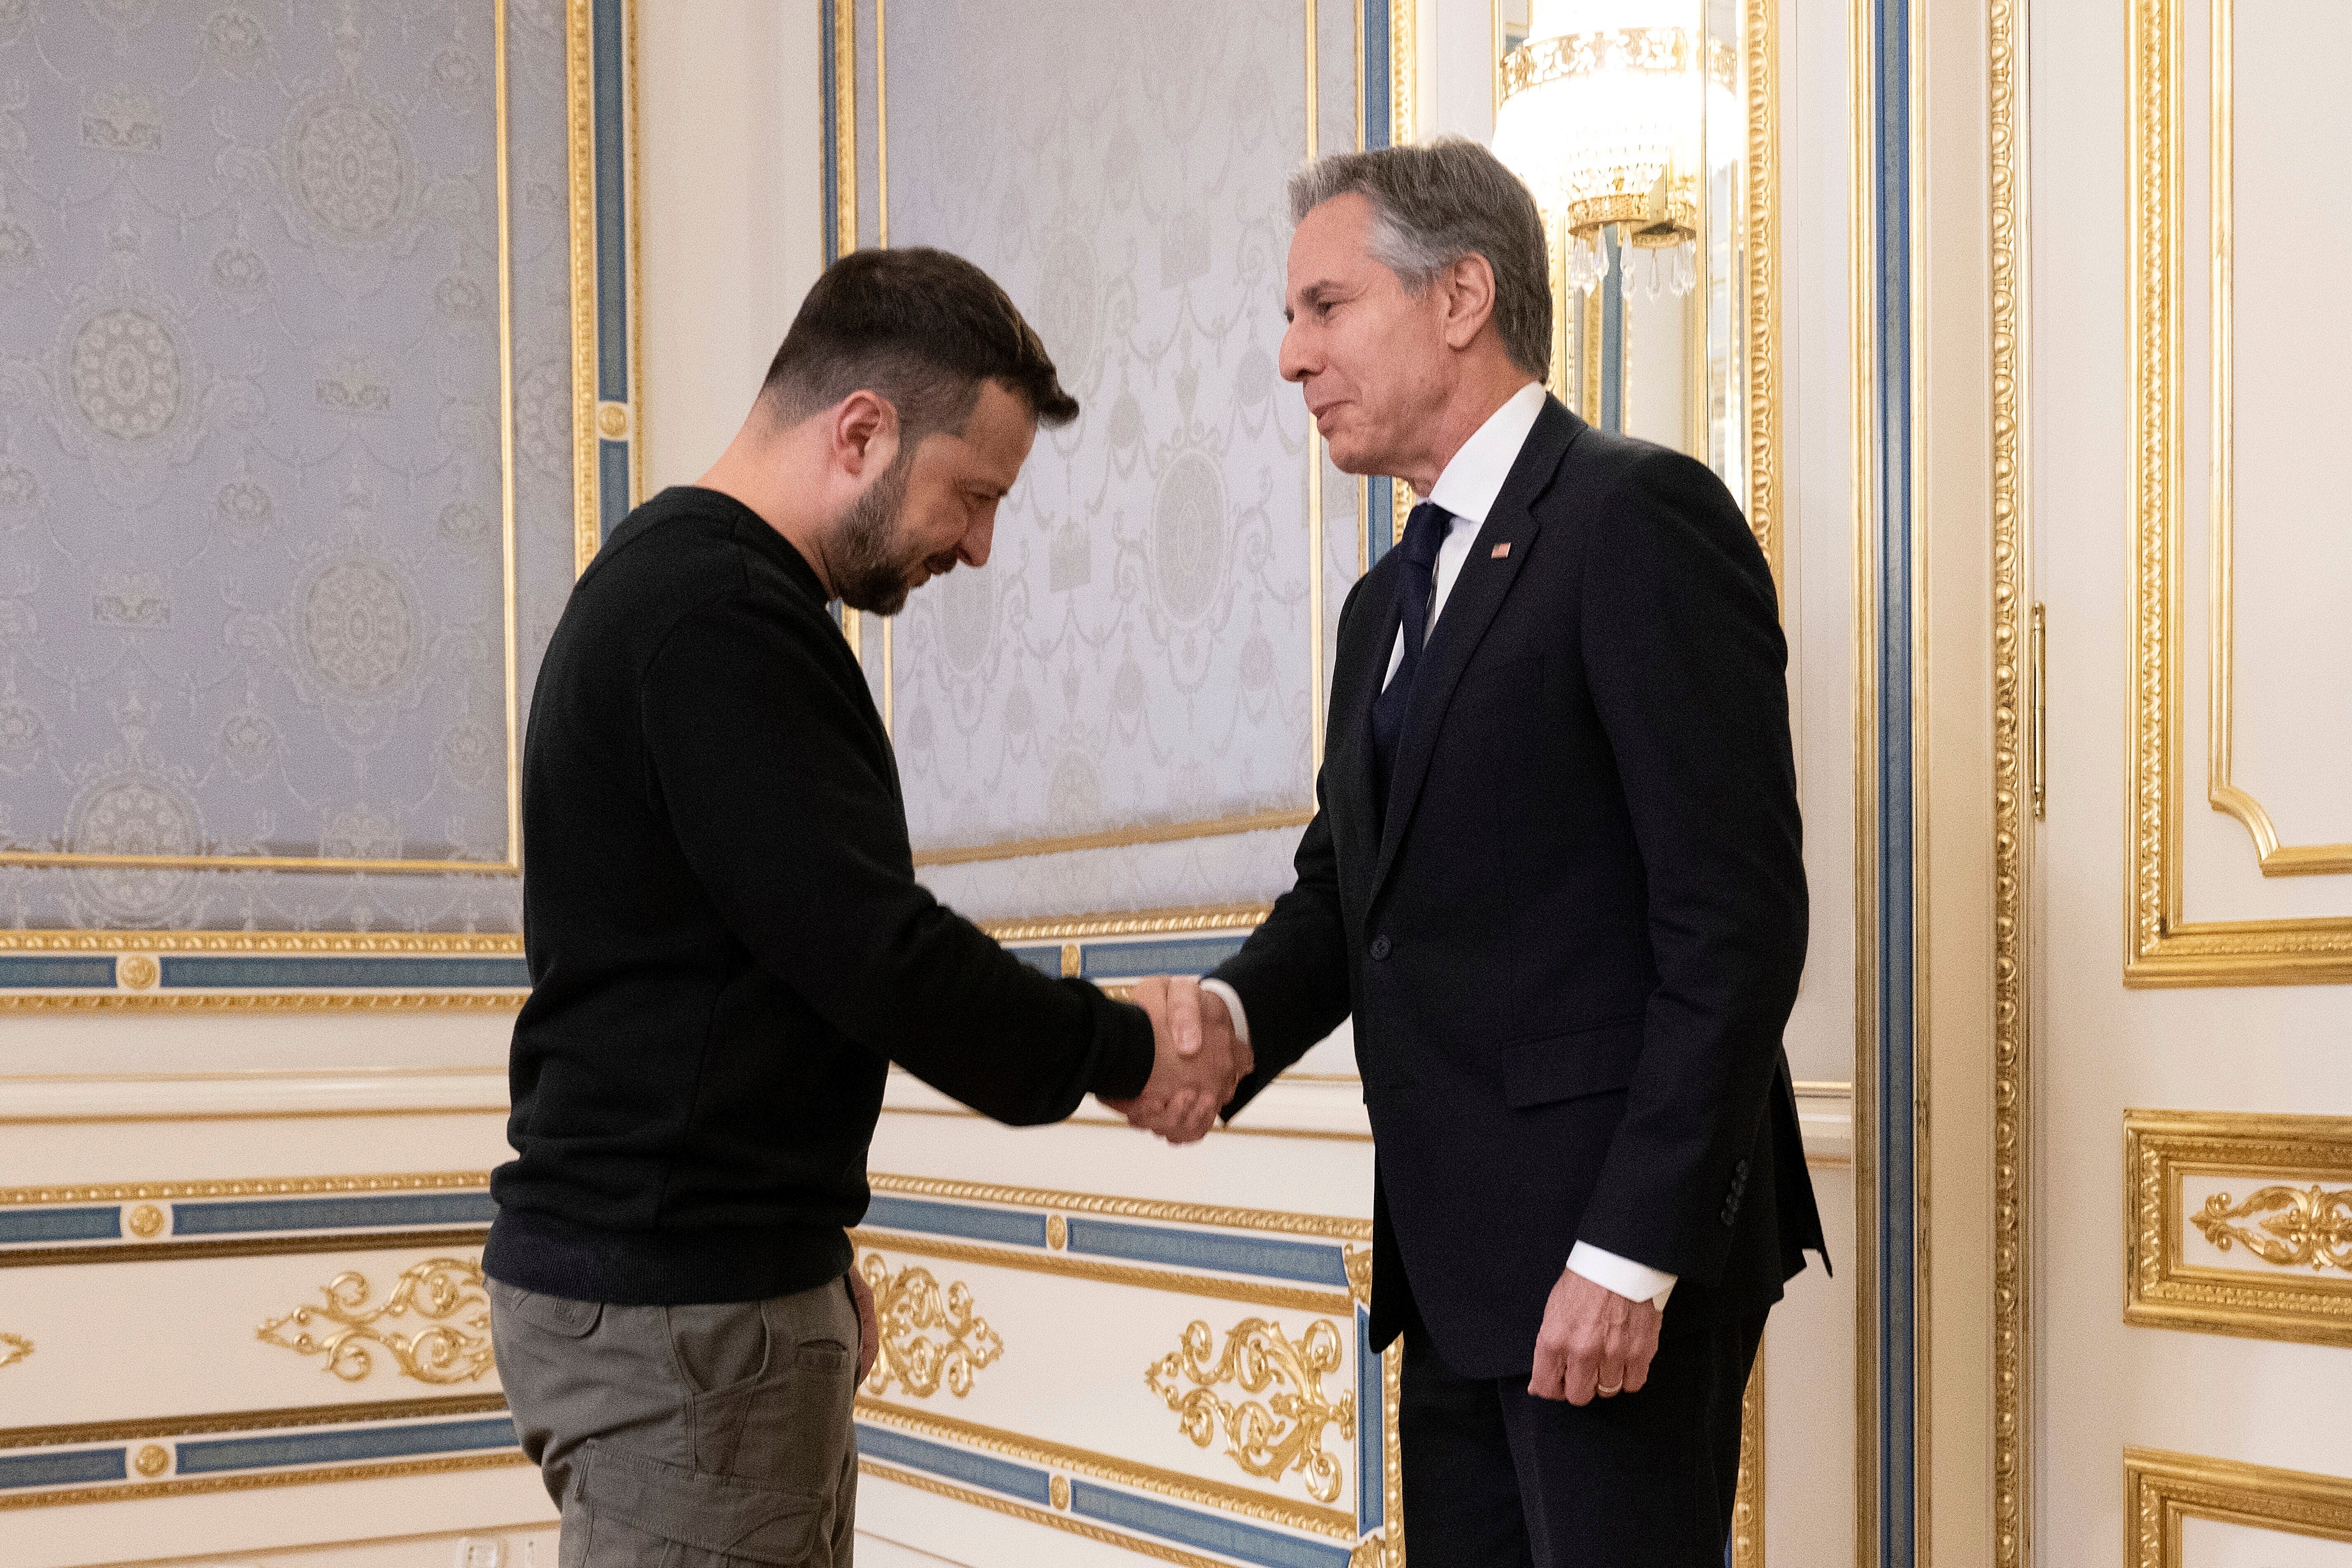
(972, 551)
(1294, 361)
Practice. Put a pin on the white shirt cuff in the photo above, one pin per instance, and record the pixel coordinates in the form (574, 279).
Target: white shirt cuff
(1634, 1281)
(1233, 1001)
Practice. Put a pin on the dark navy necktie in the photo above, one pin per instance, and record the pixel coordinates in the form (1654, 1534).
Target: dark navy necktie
(1416, 587)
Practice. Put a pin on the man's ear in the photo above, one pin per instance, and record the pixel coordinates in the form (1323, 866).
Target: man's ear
(864, 434)
(1468, 286)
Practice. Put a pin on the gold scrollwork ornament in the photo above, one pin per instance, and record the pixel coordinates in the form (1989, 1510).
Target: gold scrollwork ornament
(909, 1305)
(1285, 1433)
(13, 1348)
(2306, 1226)
(445, 1292)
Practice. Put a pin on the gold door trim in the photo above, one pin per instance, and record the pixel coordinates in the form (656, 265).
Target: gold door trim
(2275, 858)
(2164, 948)
(2012, 842)
(2163, 1489)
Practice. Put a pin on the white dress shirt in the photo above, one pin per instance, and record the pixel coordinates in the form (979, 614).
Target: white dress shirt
(1467, 489)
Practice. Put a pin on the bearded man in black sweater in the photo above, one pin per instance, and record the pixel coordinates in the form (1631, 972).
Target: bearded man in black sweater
(727, 945)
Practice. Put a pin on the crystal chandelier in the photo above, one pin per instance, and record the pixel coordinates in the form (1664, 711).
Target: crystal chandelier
(1604, 115)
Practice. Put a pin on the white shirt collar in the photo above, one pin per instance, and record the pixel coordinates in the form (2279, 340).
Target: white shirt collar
(1473, 478)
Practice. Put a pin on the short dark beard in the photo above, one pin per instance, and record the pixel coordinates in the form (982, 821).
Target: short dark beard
(869, 572)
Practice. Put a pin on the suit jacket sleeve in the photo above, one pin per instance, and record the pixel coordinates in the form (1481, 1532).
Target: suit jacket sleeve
(1683, 653)
(1293, 972)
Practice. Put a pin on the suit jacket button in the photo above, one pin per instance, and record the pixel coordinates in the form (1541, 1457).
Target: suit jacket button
(1740, 1170)
(1380, 947)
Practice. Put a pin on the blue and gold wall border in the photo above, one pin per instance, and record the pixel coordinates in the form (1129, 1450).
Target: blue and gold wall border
(346, 1219)
(1891, 1042)
(606, 350)
(94, 971)
(1288, 1265)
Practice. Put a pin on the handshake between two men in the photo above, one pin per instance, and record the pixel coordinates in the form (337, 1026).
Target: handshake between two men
(1197, 1060)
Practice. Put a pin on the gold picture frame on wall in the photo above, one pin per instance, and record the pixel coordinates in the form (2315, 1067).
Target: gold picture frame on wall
(2164, 947)
(82, 970)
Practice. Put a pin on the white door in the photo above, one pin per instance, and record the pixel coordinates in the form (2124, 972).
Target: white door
(2189, 324)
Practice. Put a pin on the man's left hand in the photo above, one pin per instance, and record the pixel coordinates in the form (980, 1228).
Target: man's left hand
(1593, 1342)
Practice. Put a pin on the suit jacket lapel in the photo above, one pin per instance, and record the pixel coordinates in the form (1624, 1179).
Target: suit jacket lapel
(1470, 608)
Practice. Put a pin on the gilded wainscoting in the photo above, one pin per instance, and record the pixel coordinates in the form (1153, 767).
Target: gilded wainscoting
(1273, 1438)
(911, 1306)
(2281, 1227)
(450, 1305)
(2165, 1489)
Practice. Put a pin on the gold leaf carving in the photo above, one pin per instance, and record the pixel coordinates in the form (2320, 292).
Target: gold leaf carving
(13, 1348)
(1358, 1260)
(446, 1295)
(908, 1307)
(2306, 1225)
(1285, 1432)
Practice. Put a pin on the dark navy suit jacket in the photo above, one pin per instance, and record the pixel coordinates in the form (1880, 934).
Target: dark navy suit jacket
(1571, 946)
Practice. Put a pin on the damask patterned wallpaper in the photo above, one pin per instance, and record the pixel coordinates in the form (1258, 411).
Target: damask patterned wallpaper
(252, 541)
(1139, 650)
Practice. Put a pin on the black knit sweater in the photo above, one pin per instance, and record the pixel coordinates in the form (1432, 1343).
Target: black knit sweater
(727, 943)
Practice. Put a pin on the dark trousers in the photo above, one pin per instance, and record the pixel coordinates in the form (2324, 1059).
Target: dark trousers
(1495, 1478)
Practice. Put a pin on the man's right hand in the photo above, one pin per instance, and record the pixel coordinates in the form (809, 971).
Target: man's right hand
(1197, 1063)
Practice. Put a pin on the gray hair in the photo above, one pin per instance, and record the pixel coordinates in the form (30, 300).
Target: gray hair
(1433, 205)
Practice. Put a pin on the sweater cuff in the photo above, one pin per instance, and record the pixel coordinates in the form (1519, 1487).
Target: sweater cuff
(1128, 1055)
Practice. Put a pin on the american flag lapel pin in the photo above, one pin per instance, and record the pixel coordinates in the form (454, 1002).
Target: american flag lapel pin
(1502, 550)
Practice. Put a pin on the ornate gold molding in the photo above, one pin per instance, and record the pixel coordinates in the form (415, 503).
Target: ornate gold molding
(579, 112)
(2165, 1489)
(1241, 1501)
(2165, 948)
(1274, 1221)
(245, 1188)
(2012, 819)
(1143, 922)
(1760, 46)
(1272, 1439)
(445, 1293)
(13, 1348)
(2290, 1227)
(1747, 1499)
(268, 943)
(263, 1002)
(2269, 1297)
(911, 1302)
